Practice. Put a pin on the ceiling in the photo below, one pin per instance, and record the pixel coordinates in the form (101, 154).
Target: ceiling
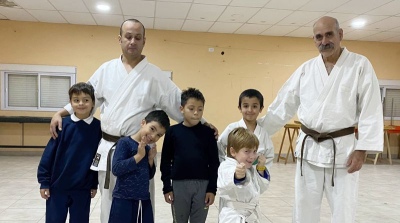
(292, 18)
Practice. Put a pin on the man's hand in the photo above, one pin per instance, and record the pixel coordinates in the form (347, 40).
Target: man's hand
(355, 161)
(93, 193)
(57, 121)
(210, 197)
(240, 171)
(169, 197)
(213, 128)
(45, 193)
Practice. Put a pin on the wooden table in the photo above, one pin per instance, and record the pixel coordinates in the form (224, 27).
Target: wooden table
(394, 130)
(388, 129)
(291, 130)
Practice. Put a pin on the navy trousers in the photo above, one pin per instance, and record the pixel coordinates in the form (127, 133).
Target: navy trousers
(76, 202)
(131, 211)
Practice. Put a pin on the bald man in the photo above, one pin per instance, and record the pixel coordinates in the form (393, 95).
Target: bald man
(126, 90)
(331, 94)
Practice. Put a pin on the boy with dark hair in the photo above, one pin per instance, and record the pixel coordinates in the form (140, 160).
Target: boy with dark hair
(190, 159)
(133, 165)
(64, 169)
(240, 183)
(251, 103)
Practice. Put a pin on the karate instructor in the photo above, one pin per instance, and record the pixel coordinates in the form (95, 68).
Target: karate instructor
(126, 90)
(331, 94)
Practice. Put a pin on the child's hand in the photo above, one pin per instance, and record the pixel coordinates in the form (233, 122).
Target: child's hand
(240, 171)
(169, 197)
(93, 193)
(262, 160)
(45, 193)
(153, 152)
(141, 148)
(210, 197)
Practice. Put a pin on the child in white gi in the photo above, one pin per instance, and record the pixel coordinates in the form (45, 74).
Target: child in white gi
(240, 183)
(251, 104)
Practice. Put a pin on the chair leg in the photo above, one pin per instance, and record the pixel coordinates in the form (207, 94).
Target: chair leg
(389, 153)
(376, 158)
(290, 146)
(280, 149)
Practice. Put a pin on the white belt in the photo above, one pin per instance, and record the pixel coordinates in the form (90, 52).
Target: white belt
(241, 206)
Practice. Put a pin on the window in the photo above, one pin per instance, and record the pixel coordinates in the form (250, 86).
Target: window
(390, 92)
(35, 87)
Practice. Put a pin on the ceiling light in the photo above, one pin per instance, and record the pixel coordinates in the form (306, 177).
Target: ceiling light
(103, 7)
(359, 23)
(8, 3)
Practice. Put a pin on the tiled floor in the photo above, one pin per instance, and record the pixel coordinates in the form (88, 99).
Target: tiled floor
(379, 197)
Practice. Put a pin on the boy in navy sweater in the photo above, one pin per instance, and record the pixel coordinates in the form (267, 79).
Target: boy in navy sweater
(190, 159)
(64, 169)
(133, 165)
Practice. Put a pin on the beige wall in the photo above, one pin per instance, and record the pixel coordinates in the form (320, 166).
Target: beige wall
(259, 62)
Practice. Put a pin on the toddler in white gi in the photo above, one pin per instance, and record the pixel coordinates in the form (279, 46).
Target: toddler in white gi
(240, 183)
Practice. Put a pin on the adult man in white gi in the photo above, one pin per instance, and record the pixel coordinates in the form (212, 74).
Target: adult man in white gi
(331, 93)
(126, 90)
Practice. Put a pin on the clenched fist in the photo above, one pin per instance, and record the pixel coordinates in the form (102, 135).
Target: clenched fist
(240, 171)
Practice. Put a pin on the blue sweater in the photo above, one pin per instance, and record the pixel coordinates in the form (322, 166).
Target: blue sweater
(65, 163)
(132, 178)
(189, 153)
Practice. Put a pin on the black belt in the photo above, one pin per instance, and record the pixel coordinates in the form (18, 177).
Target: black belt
(110, 138)
(320, 137)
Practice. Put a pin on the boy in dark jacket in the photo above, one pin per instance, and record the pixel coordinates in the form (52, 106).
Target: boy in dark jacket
(64, 169)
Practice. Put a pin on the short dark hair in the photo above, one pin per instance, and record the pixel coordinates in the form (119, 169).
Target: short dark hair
(132, 20)
(191, 93)
(158, 116)
(81, 87)
(250, 93)
(240, 138)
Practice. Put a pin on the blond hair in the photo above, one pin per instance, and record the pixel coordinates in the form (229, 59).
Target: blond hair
(240, 138)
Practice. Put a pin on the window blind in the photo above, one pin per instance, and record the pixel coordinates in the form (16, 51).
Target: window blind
(54, 91)
(392, 103)
(23, 90)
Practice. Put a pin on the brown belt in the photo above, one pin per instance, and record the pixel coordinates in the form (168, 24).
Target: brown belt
(110, 138)
(320, 137)
(108, 170)
(114, 139)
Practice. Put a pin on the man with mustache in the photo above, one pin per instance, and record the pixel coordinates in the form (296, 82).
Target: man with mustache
(331, 93)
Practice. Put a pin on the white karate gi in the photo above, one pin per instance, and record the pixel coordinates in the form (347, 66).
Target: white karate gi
(348, 96)
(266, 147)
(241, 202)
(124, 100)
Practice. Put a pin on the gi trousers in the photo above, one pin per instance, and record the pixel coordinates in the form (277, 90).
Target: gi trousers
(316, 181)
